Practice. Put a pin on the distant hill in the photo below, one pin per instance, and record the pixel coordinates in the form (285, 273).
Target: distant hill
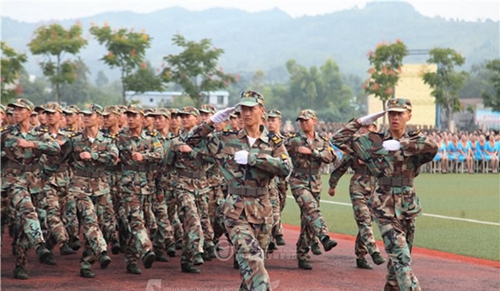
(266, 40)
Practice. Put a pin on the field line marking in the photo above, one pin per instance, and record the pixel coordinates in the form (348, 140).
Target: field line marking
(424, 214)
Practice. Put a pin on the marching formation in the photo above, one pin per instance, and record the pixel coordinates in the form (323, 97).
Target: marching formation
(150, 182)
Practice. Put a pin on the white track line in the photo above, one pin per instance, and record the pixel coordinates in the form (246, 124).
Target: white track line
(424, 214)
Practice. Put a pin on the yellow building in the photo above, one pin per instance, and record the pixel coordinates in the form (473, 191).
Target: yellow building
(411, 86)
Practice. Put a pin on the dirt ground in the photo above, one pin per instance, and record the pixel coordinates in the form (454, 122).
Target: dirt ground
(333, 271)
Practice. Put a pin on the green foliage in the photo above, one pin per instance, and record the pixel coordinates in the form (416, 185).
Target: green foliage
(493, 99)
(446, 82)
(53, 41)
(144, 79)
(80, 91)
(35, 90)
(126, 50)
(196, 68)
(386, 62)
(11, 66)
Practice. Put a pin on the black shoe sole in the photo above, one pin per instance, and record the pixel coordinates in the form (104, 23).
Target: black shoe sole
(105, 263)
(148, 260)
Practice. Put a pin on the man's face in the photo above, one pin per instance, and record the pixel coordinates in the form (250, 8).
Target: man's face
(21, 114)
(34, 120)
(110, 120)
(274, 124)
(398, 120)
(307, 125)
(205, 116)
(175, 121)
(42, 118)
(148, 121)
(71, 118)
(123, 120)
(134, 120)
(252, 116)
(161, 122)
(188, 121)
(90, 120)
(53, 118)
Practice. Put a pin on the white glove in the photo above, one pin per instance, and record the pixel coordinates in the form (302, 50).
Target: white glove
(369, 119)
(391, 145)
(222, 115)
(241, 157)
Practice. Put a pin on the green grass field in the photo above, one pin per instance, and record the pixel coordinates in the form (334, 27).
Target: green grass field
(464, 196)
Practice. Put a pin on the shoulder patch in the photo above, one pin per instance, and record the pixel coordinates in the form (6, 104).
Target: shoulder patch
(229, 131)
(73, 134)
(322, 136)
(157, 144)
(153, 133)
(291, 134)
(414, 133)
(275, 138)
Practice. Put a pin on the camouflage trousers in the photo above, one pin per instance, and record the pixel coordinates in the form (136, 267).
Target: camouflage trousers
(27, 226)
(398, 241)
(277, 228)
(164, 234)
(360, 189)
(6, 211)
(215, 201)
(106, 217)
(173, 216)
(250, 242)
(132, 212)
(94, 239)
(192, 240)
(69, 216)
(201, 200)
(49, 214)
(312, 224)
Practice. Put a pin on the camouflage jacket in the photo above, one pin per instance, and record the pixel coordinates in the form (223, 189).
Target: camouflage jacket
(267, 158)
(56, 167)
(395, 170)
(362, 175)
(306, 172)
(165, 171)
(22, 166)
(88, 175)
(137, 177)
(188, 169)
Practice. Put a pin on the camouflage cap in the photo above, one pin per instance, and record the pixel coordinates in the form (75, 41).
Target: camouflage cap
(9, 110)
(71, 109)
(208, 108)
(122, 108)
(34, 113)
(52, 107)
(39, 108)
(264, 116)
(235, 114)
(91, 109)
(307, 114)
(148, 111)
(398, 104)
(2, 108)
(174, 111)
(134, 108)
(251, 98)
(112, 110)
(190, 110)
(274, 113)
(161, 112)
(23, 103)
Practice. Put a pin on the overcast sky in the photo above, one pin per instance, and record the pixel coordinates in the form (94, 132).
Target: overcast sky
(43, 10)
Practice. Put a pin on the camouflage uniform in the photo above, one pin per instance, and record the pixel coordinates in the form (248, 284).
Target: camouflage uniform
(361, 188)
(20, 178)
(305, 183)
(247, 208)
(394, 203)
(189, 182)
(137, 184)
(89, 186)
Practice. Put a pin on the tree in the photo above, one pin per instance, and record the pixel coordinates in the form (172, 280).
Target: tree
(493, 99)
(126, 50)
(79, 92)
(12, 65)
(385, 66)
(196, 68)
(101, 79)
(446, 82)
(53, 41)
(144, 79)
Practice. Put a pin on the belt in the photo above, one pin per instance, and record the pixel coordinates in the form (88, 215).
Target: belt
(154, 167)
(89, 174)
(22, 167)
(248, 191)
(362, 171)
(192, 175)
(395, 182)
(306, 171)
(112, 168)
(141, 168)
